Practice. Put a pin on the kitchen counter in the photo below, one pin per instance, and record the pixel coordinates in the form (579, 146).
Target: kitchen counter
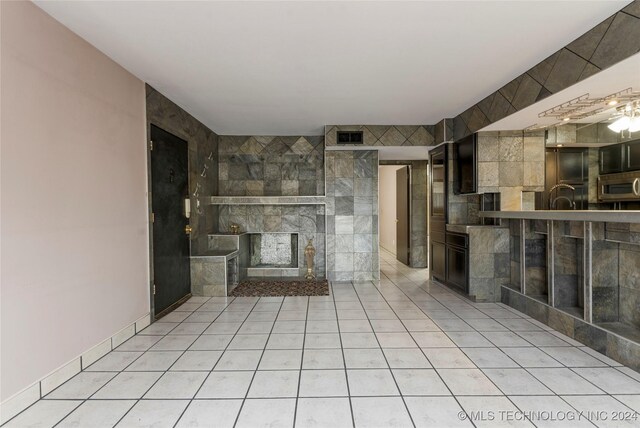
(577, 271)
(466, 228)
(558, 215)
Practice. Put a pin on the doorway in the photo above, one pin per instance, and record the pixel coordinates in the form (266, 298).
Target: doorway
(170, 226)
(395, 211)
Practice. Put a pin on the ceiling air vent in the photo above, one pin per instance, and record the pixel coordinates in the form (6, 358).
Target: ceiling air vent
(349, 137)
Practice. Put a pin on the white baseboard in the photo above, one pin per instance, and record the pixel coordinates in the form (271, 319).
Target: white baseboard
(25, 398)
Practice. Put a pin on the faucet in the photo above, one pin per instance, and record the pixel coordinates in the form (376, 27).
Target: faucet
(572, 202)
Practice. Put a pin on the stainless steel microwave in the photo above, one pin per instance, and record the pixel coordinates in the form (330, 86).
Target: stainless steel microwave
(619, 187)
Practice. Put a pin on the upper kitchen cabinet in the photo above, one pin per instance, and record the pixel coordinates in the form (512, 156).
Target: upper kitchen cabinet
(632, 154)
(567, 179)
(611, 159)
(620, 157)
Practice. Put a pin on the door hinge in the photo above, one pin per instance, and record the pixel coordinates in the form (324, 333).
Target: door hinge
(153, 218)
(154, 289)
(150, 145)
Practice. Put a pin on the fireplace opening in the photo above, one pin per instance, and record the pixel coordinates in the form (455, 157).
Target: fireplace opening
(273, 250)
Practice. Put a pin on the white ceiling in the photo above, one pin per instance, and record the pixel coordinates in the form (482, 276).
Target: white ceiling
(288, 68)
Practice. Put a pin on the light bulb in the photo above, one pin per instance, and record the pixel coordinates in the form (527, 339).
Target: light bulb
(620, 124)
(634, 126)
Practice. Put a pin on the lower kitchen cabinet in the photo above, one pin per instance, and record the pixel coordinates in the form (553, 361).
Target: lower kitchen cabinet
(457, 265)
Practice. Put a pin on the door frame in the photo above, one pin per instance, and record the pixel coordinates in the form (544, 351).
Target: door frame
(150, 214)
(409, 213)
(401, 163)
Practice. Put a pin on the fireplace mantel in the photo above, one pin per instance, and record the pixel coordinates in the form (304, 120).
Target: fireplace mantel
(265, 200)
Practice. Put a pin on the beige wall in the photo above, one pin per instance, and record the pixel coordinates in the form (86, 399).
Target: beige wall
(387, 174)
(73, 220)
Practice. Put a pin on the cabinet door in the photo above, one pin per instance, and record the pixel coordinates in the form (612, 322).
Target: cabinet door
(611, 159)
(457, 267)
(632, 152)
(438, 162)
(438, 261)
(572, 166)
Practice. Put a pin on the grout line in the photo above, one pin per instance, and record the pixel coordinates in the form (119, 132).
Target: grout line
(246, 396)
(304, 339)
(344, 360)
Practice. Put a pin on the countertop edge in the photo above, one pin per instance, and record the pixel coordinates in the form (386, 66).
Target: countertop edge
(597, 216)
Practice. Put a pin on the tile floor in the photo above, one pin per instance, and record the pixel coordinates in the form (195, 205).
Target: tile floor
(406, 352)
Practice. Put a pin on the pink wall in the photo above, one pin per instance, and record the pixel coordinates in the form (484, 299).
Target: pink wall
(73, 215)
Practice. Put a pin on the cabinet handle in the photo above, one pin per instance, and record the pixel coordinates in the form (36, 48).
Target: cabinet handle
(636, 187)
(601, 162)
(628, 157)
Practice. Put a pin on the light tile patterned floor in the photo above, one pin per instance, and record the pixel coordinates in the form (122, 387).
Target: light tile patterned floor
(406, 352)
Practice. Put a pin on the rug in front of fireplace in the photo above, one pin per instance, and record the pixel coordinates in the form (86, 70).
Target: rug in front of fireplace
(278, 287)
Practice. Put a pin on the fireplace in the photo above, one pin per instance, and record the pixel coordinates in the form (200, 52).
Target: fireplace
(273, 254)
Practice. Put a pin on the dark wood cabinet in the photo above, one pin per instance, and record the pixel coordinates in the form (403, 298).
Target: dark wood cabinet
(612, 159)
(632, 156)
(438, 261)
(457, 274)
(438, 170)
(567, 166)
(622, 157)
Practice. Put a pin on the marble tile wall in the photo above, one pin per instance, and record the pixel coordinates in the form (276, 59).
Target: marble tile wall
(511, 163)
(308, 221)
(615, 271)
(203, 149)
(515, 236)
(568, 280)
(443, 131)
(629, 277)
(352, 215)
(489, 262)
(419, 232)
(615, 39)
(605, 276)
(385, 135)
(535, 261)
(612, 345)
(208, 276)
(271, 166)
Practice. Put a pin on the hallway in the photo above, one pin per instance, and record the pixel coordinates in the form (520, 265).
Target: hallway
(406, 353)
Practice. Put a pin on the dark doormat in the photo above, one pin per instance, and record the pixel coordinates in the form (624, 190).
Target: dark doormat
(279, 287)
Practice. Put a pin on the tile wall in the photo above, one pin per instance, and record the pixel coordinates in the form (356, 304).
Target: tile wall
(270, 166)
(488, 262)
(352, 215)
(511, 161)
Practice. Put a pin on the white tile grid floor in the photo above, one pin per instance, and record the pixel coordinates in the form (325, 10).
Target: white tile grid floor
(405, 352)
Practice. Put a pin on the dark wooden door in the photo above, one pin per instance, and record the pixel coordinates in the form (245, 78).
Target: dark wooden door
(169, 188)
(403, 209)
